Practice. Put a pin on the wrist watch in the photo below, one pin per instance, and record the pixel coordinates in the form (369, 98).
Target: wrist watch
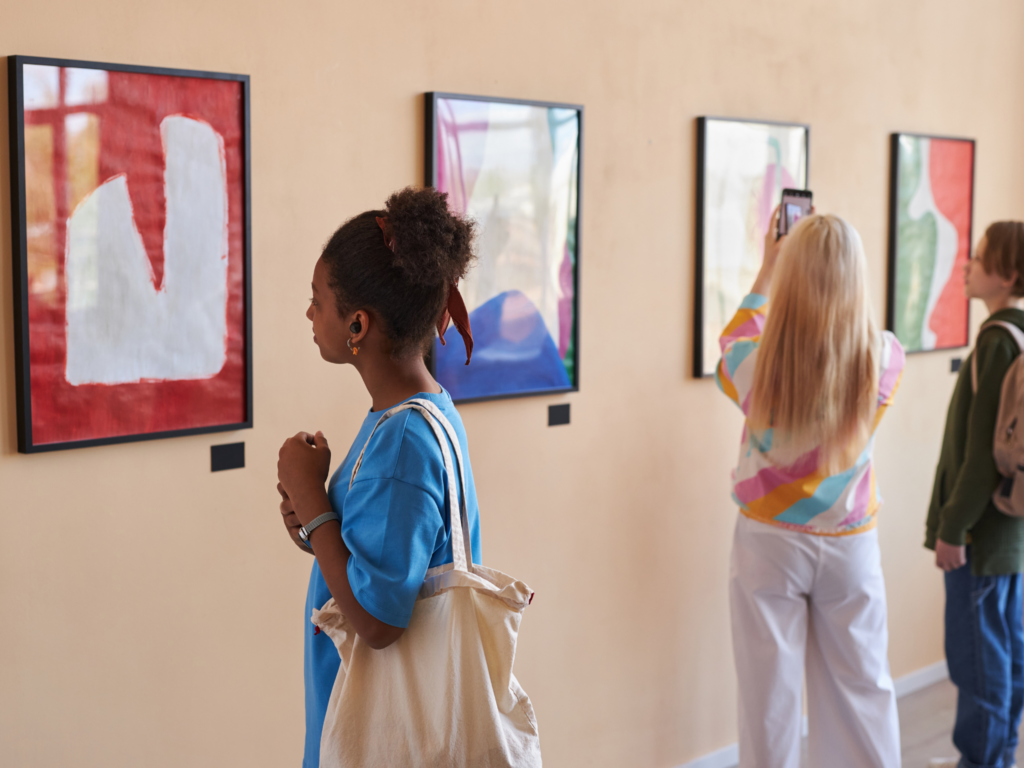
(315, 523)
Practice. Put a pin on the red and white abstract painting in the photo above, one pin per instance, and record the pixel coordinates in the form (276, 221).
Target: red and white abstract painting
(134, 261)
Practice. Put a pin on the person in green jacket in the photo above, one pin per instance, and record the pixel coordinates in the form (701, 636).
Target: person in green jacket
(980, 549)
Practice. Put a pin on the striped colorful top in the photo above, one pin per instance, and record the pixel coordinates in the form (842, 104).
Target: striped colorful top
(798, 495)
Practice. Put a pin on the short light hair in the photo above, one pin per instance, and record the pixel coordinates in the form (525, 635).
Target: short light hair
(1004, 252)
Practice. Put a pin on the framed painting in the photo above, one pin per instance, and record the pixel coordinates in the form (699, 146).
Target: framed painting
(130, 197)
(515, 168)
(931, 202)
(742, 168)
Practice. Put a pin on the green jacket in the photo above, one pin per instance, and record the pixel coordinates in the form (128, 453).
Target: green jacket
(961, 510)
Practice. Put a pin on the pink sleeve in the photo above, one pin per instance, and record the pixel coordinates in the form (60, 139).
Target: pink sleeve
(893, 360)
(747, 323)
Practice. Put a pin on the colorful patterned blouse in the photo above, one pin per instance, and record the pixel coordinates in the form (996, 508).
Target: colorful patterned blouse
(798, 495)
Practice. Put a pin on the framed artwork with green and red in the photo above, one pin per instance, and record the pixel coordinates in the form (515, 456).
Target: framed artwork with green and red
(930, 216)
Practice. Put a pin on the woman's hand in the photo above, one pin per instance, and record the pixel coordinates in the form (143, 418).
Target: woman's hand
(949, 557)
(772, 246)
(291, 522)
(303, 464)
(302, 467)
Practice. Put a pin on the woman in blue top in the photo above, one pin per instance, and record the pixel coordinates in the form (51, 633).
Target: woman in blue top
(383, 283)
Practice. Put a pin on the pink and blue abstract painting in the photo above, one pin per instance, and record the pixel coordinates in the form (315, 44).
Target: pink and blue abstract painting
(514, 168)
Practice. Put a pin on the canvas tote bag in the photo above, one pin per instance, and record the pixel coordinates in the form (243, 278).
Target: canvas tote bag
(443, 695)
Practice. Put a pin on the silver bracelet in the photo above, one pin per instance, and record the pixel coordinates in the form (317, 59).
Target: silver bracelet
(315, 523)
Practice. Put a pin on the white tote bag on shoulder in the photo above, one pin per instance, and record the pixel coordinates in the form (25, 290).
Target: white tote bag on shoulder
(443, 695)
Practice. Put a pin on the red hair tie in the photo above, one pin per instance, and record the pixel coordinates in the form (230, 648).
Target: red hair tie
(389, 240)
(455, 307)
(455, 310)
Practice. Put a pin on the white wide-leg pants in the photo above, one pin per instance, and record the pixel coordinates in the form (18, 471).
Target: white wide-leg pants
(817, 602)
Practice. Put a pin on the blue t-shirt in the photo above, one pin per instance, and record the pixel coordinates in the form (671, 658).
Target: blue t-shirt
(395, 522)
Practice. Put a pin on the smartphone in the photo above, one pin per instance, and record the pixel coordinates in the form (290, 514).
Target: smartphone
(796, 203)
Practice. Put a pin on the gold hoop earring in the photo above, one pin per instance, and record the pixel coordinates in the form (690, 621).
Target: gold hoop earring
(353, 350)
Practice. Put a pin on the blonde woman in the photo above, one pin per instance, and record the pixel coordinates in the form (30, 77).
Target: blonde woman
(806, 363)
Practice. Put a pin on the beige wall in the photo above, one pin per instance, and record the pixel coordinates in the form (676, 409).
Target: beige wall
(151, 612)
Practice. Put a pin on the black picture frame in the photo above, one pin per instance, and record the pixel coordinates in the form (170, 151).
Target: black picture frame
(15, 74)
(699, 371)
(431, 99)
(893, 239)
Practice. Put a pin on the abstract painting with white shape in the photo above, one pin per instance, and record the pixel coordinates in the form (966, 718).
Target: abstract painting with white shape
(923, 204)
(932, 221)
(120, 328)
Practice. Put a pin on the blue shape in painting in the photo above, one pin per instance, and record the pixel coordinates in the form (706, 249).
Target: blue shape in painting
(513, 352)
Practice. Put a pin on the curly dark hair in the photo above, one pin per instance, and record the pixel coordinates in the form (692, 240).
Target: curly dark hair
(406, 290)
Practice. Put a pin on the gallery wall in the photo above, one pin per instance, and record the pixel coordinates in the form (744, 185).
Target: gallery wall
(151, 612)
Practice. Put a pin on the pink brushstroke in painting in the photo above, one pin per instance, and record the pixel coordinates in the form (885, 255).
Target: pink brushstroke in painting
(776, 178)
(565, 304)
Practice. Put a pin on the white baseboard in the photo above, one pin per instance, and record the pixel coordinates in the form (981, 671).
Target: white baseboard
(922, 678)
(729, 757)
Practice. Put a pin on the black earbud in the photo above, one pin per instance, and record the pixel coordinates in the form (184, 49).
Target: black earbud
(355, 327)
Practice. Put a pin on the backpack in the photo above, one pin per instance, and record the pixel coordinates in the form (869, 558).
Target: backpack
(1008, 440)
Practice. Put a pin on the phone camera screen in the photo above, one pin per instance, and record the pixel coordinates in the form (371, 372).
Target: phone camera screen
(794, 212)
(796, 204)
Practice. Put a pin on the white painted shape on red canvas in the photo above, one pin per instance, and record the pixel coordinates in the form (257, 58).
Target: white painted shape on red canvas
(120, 328)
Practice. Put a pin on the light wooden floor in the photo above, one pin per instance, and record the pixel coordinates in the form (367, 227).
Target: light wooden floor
(926, 724)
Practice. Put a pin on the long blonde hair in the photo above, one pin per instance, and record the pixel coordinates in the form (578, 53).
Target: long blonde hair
(816, 377)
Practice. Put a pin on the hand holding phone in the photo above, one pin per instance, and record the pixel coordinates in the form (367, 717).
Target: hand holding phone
(772, 246)
(796, 203)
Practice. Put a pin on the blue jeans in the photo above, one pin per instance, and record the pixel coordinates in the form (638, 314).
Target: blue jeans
(985, 652)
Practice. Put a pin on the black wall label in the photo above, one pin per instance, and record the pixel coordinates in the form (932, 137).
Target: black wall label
(228, 456)
(954, 365)
(558, 414)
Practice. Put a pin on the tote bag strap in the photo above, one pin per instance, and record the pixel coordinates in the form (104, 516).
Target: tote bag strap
(461, 546)
(464, 499)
